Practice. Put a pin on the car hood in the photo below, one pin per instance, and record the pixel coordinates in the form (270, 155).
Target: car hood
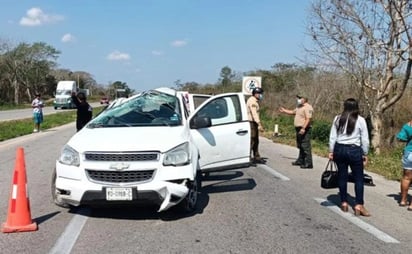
(118, 139)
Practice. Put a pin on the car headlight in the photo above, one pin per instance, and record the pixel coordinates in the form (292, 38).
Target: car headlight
(177, 156)
(69, 156)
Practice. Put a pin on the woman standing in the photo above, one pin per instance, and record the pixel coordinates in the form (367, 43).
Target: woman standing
(405, 135)
(348, 147)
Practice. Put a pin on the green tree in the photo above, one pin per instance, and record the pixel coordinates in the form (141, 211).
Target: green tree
(370, 41)
(120, 85)
(26, 67)
(226, 76)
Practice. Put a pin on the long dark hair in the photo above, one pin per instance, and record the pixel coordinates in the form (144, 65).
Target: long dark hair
(348, 117)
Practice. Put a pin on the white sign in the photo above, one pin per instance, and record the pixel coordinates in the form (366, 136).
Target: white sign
(249, 83)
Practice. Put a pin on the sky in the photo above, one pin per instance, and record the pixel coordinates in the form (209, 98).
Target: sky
(154, 43)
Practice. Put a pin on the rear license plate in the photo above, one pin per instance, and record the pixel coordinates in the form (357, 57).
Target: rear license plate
(119, 194)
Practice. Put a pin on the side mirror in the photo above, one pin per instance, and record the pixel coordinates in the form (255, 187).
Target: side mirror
(199, 122)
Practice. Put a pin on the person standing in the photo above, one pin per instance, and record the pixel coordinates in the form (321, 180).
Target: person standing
(84, 110)
(348, 147)
(37, 105)
(303, 126)
(255, 123)
(405, 135)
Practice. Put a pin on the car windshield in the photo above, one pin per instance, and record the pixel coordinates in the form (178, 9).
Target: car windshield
(63, 92)
(151, 108)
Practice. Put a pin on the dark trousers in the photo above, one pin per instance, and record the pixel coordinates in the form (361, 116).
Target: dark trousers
(349, 156)
(254, 140)
(304, 146)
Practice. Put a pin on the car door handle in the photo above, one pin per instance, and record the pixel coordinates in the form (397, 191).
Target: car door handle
(241, 132)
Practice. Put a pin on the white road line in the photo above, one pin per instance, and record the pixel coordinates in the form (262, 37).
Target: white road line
(67, 240)
(274, 173)
(358, 222)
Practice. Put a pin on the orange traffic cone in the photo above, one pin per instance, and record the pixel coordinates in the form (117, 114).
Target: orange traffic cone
(19, 217)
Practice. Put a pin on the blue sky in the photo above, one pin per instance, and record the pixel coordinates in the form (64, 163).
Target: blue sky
(152, 43)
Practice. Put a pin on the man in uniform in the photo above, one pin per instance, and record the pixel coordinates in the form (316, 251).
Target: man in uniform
(303, 126)
(255, 123)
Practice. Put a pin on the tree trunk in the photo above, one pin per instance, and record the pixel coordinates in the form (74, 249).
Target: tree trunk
(376, 131)
(16, 91)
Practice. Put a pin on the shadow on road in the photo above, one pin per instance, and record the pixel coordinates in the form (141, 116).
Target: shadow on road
(214, 182)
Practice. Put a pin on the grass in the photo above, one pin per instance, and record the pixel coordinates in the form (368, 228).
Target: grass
(16, 128)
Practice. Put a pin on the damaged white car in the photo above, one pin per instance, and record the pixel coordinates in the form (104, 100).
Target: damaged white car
(149, 150)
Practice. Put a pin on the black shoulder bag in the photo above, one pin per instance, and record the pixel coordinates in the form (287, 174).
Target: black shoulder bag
(329, 177)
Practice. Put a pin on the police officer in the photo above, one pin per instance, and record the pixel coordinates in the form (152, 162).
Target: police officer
(303, 126)
(255, 123)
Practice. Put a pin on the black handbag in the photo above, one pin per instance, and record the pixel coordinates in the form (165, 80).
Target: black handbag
(367, 179)
(329, 177)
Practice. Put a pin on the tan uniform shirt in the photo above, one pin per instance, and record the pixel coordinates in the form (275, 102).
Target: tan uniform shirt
(302, 113)
(253, 109)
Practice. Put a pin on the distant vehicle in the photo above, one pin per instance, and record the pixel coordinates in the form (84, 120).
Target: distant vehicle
(63, 97)
(149, 149)
(104, 100)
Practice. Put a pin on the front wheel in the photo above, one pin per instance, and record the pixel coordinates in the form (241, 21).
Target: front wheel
(56, 193)
(189, 203)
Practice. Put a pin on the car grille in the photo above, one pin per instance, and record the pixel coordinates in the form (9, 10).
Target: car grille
(122, 156)
(61, 100)
(120, 177)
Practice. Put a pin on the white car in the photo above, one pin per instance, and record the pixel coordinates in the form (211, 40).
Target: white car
(151, 150)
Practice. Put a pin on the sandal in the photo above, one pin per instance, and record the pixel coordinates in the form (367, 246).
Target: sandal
(403, 203)
(361, 211)
(344, 207)
(409, 208)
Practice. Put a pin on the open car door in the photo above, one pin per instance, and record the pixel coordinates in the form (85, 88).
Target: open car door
(225, 141)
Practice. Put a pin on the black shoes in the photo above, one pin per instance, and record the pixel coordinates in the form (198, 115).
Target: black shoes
(259, 161)
(296, 163)
(301, 164)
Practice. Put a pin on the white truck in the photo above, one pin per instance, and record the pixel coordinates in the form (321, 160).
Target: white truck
(150, 149)
(64, 91)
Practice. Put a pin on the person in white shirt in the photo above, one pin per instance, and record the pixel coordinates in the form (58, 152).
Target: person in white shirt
(37, 105)
(349, 147)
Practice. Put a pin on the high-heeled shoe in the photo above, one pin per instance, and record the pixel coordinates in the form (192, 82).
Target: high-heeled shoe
(344, 207)
(361, 211)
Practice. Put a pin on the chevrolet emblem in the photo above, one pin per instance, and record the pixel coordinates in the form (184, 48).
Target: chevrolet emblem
(119, 166)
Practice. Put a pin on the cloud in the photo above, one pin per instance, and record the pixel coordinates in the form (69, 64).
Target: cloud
(36, 17)
(179, 43)
(68, 38)
(157, 53)
(118, 56)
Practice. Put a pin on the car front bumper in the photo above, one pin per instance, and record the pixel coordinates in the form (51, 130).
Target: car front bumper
(165, 189)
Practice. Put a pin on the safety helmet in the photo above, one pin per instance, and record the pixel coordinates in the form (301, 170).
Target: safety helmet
(257, 90)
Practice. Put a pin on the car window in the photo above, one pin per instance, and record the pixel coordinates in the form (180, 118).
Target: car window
(151, 108)
(197, 100)
(223, 110)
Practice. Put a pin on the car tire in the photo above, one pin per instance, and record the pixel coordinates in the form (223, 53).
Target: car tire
(56, 194)
(189, 203)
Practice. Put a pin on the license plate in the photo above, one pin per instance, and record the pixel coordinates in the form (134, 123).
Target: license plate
(119, 194)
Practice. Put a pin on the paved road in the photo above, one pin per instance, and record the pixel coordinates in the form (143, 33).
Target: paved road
(272, 208)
